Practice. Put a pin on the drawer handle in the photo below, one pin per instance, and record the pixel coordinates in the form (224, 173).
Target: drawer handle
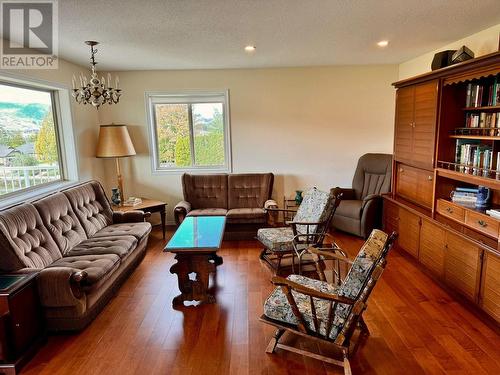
(482, 223)
(401, 170)
(449, 209)
(429, 178)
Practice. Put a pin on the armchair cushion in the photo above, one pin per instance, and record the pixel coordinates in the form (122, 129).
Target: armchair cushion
(350, 208)
(276, 239)
(277, 307)
(315, 207)
(138, 230)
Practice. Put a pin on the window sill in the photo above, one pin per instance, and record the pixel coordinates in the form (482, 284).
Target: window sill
(191, 170)
(35, 194)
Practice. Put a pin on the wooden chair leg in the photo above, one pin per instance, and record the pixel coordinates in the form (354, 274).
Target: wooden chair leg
(347, 365)
(363, 326)
(262, 255)
(274, 341)
(278, 264)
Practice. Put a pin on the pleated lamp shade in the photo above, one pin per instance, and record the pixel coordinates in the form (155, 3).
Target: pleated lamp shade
(114, 142)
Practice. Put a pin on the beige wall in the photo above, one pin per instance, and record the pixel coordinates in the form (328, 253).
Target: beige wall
(85, 119)
(307, 125)
(481, 43)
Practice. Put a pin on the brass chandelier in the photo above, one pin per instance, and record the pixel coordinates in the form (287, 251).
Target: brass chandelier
(96, 91)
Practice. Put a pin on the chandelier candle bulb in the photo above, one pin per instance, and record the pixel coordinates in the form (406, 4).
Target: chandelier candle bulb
(73, 82)
(117, 82)
(109, 80)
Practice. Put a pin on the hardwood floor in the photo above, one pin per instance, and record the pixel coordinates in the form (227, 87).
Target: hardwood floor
(416, 327)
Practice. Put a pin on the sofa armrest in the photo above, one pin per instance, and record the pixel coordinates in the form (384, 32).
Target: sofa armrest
(370, 197)
(135, 216)
(61, 286)
(347, 193)
(181, 210)
(270, 203)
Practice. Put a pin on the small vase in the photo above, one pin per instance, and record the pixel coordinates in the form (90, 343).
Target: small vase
(298, 197)
(115, 196)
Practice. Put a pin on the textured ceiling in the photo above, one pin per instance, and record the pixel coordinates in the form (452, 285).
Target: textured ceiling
(187, 34)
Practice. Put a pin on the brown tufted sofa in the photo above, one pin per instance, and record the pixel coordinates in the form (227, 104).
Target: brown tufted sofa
(242, 198)
(80, 247)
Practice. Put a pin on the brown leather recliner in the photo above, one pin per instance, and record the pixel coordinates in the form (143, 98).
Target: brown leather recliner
(360, 210)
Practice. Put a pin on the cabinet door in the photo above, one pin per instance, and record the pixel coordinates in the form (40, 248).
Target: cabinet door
(432, 247)
(414, 184)
(403, 132)
(462, 265)
(391, 217)
(409, 232)
(424, 124)
(490, 293)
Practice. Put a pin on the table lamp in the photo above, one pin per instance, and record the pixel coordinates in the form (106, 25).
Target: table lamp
(114, 142)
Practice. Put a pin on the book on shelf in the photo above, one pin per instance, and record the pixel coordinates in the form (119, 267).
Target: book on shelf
(132, 202)
(482, 120)
(483, 93)
(473, 156)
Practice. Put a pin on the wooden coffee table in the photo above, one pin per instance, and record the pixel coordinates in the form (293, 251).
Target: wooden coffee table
(195, 245)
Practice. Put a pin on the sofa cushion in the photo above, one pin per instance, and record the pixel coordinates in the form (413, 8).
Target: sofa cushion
(249, 190)
(24, 240)
(90, 206)
(138, 230)
(119, 245)
(208, 212)
(98, 267)
(61, 222)
(246, 215)
(350, 208)
(205, 191)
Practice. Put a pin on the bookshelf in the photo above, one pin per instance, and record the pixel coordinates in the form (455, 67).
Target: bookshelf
(448, 140)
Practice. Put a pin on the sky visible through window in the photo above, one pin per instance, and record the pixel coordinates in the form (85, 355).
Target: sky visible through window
(28, 143)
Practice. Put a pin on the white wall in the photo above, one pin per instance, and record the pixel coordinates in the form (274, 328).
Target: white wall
(307, 125)
(481, 43)
(85, 118)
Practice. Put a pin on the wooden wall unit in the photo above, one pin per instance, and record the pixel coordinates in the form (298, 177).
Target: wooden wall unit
(459, 245)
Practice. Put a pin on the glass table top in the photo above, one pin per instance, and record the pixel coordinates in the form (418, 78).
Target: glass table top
(198, 232)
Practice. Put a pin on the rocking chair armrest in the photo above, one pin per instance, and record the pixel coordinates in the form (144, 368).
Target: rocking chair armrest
(274, 209)
(329, 254)
(305, 222)
(280, 281)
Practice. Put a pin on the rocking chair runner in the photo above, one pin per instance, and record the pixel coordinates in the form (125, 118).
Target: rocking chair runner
(325, 312)
(308, 228)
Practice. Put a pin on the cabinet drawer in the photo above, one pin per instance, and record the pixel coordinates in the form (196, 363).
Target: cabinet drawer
(448, 209)
(482, 223)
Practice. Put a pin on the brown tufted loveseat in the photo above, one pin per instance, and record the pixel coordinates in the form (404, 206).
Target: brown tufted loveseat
(242, 198)
(80, 247)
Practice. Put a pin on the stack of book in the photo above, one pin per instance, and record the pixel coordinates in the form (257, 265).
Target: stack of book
(476, 94)
(464, 196)
(132, 201)
(473, 157)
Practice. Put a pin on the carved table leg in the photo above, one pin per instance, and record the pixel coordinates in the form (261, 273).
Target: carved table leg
(193, 271)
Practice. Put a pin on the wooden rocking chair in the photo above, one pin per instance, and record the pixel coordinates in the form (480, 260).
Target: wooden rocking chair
(325, 312)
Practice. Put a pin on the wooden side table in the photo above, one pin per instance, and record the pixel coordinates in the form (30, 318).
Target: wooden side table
(148, 205)
(21, 322)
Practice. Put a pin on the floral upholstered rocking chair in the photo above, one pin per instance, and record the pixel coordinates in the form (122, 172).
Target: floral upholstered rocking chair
(308, 228)
(324, 312)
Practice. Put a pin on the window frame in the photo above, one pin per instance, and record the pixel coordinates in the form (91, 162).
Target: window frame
(63, 122)
(187, 97)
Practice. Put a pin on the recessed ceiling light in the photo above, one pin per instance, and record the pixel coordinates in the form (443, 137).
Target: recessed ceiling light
(383, 43)
(250, 48)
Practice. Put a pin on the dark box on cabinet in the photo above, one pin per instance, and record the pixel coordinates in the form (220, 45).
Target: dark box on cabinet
(462, 54)
(442, 59)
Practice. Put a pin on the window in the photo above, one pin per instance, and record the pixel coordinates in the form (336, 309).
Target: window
(189, 131)
(35, 151)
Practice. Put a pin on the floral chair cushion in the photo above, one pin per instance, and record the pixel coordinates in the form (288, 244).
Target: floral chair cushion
(315, 207)
(277, 307)
(276, 239)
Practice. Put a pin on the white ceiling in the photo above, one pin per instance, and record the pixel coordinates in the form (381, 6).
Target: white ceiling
(187, 34)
